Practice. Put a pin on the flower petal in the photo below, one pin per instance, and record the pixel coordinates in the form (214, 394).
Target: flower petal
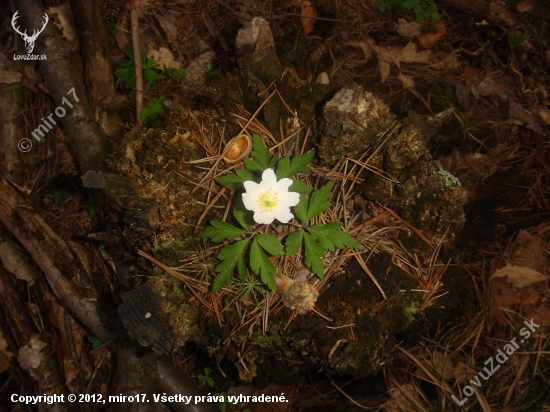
(263, 218)
(282, 185)
(285, 217)
(269, 180)
(289, 199)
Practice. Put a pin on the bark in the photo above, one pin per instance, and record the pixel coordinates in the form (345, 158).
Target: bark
(98, 73)
(140, 371)
(87, 140)
(11, 104)
(35, 354)
(63, 272)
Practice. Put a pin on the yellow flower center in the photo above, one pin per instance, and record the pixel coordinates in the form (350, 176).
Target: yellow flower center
(268, 200)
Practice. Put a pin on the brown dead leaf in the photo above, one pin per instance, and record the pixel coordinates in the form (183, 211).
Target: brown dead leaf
(503, 299)
(520, 276)
(408, 82)
(525, 116)
(407, 29)
(543, 113)
(400, 398)
(367, 51)
(307, 9)
(123, 36)
(525, 6)
(485, 84)
(396, 55)
(5, 354)
(528, 250)
(429, 40)
(446, 368)
(9, 76)
(540, 315)
(464, 161)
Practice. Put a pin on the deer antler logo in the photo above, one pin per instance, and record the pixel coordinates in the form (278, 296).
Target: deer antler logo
(29, 40)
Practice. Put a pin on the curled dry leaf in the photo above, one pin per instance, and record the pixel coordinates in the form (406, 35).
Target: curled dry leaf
(528, 250)
(520, 276)
(307, 9)
(429, 40)
(400, 398)
(408, 29)
(408, 82)
(483, 84)
(446, 368)
(525, 116)
(543, 113)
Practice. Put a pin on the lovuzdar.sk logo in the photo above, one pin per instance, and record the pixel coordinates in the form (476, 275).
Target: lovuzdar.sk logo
(29, 40)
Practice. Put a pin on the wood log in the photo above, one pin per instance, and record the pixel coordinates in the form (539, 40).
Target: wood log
(62, 270)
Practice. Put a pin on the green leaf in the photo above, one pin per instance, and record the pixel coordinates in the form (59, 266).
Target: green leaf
(299, 164)
(313, 253)
(230, 256)
(242, 214)
(220, 230)
(319, 201)
(301, 208)
(259, 263)
(230, 180)
(151, 75)
(253, 166)
(95, 341)
(300, 187)
(260, 153)
(62, 195)
(151, 63)
(245, 175)
(293, 242)
(330, 237)
(270, 244)
(180, 74)
(33, 159)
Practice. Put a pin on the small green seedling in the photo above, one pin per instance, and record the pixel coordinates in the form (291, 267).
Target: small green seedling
(423, 9)
(206, 378)
(150, 114)
(515, 40)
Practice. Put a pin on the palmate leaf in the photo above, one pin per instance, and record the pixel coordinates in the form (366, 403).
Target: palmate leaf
(270, 244)
(230, 256)
(300, 187)
(259, 263)
(243, 216)
(293, 242)
(319, 201)
(298, 164)
(330, 237)
(259, 153)
(313, 253)
(219, 231)
(235, 180)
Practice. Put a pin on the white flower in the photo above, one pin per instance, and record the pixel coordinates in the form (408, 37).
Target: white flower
(270, 199)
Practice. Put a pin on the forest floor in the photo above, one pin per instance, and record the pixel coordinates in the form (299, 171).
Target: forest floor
(489, 65)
